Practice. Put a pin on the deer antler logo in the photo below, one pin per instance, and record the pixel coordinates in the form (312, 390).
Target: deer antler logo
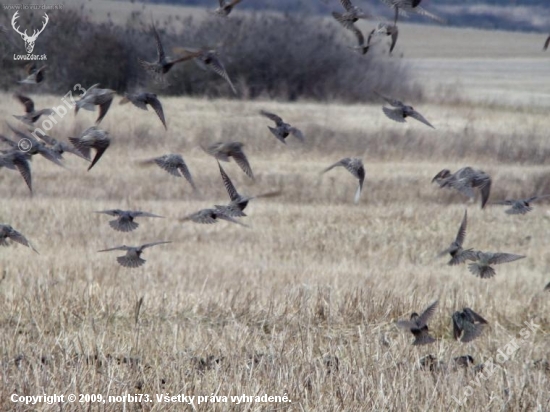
(29, 40)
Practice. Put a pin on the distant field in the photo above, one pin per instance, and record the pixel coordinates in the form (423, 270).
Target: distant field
(303, 302)
(496, 66)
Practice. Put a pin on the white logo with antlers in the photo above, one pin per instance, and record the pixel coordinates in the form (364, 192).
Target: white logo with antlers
(29, 40)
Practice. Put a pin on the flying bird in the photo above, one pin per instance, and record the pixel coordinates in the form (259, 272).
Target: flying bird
(389, 30)
(467, 325)
(132, 259)
(418, 325)
(35, 74)
(17, 160)
(355, 167)
(59, 147)
(483, 261)
(363, 47)
(124, 221)
(238, 202)
(8, 232)
(173, 164)
(92, 138)
(141, 100)
(401, 111)
(162, 65)
(465, 181)
(28, 144)
(226, 7)
(207, 59)
(96, 97)
(282, 130)
(31, 115)
(349, 17)
(520, 206)
(458, 254)
(209, 216)
(223, 151)
(404, 7)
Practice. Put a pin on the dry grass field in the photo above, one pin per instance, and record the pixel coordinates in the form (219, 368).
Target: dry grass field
(303, 302)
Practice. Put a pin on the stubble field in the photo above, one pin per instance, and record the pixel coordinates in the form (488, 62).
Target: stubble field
(228, 310)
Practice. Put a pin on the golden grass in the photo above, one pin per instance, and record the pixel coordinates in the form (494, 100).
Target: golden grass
(314, 276)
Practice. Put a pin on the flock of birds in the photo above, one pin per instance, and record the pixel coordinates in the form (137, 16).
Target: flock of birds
(467, 324)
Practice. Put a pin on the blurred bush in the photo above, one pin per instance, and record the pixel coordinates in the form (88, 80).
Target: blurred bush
(267, 55)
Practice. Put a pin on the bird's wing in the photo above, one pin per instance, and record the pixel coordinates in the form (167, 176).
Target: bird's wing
(485, 190)
(426, 13)
(347, 4)
(273, 193)
(163, 164)
(136, 101)
(157, 107)
(26, 101)
(202, 216)
(427, 314)
(233, 194)
(405, 324)
(475, 316)
(422, 336)
(81, 147)
(50, 155)
(461, 235)
(272, 116)
(19, 238)
(138, 213)
(539, 197)
(103, 109)
(415, 115)
(115, 248)
(498, 258)
(358, 34)
(342, 20)
(457, 330)
(297, 133)
(110, 212)
(160, 50)
(217, 66)
(22, 165)
(546, 43)
(471, 331)
(462, 257)
(230, 219)
(504, 202)
(342, 162)
(391, 102)
(23, 135)
(47, 139)
(394, 36)
(8, 141)
(242, 161)
(99, 152)
(145, 246)
(187, 174)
